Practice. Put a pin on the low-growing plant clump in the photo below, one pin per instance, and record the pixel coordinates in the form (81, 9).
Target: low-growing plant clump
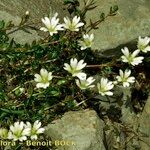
(59, 73)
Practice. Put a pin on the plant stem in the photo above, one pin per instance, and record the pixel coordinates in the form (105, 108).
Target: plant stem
(103, 65)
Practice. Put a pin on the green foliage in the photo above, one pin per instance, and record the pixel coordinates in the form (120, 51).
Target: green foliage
(19, 63)
(19, 97)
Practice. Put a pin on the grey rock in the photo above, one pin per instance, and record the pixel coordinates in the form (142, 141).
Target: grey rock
(83, 129)
(139, 123)
(128, 115)
(19, 36)
(13, 11)
(131, 21)
(144, 126)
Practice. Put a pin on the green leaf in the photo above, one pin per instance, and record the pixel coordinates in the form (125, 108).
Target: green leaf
(114, 9)
(55, 93)
(3, 115)
(60, 82)
(70, 1)
(102, 16)
(55, 55)
(2, 24)
(12, 111)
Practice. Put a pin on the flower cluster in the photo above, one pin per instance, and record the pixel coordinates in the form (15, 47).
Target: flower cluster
(83, 82)
(75, 67)
(20, 131)
(52, 26)
(105, 86)
(132, 59)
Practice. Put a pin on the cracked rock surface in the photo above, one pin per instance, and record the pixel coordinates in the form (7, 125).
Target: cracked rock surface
(84, 128)
(131, 21)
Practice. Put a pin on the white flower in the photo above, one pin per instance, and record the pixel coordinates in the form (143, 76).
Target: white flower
(3, 133)
(87, 41)
(18, 132)
(72, 25)
(131, 57)
(143, 44)
(75, 68)
(125, 78)
(35, 130)
(43, 78)
(104, 87)
(52, 25)
(85, 83)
